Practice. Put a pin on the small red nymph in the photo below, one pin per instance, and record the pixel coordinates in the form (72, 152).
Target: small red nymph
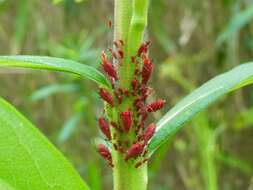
(127, 120)
(104, 127)
(134, 151)
(158, 104)
(106, 96)
(108, 66)
(147, 69)
(105, 153)
(148, 133)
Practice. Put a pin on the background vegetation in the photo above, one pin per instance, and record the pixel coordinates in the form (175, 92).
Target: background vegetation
(192, 41)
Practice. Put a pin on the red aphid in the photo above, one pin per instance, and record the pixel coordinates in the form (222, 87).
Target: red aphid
(118, 43)
(119, 143)
(143, 89)
(147, 69)
(158, 104)
(109, 23)
(121, 42)
(115, 136)
(136, 71)
(138, 164)
(148, 133)
(115, 146)
(145, 160)
(108, 67)
(119, 97)
(143, 114)
(121, 54)
(134, 84)
(126, 92)
(121, 149)
(138, 103)
(104, 127)
(143, 48)
(114, 125)
(133, 59)
(104, 152)
(121, 91)
(134, 151)
(106, 96)
(114, 53)
(127, 120)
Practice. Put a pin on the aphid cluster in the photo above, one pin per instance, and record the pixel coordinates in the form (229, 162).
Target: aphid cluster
(129, 134)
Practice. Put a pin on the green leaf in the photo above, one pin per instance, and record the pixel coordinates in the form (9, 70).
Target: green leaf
(235, 162)
(4, 185)
(237, 22)
(49, 90)
(54, 64)
(199, 99)
(69, 127)
(28, 160)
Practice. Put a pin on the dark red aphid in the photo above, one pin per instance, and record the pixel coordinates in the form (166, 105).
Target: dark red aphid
(158, 104)
(104, 152)
(114, 53)
(143, 89)
(126, 92)
(121, 150)
(108, 67)
(127, 120)
(119, 97)
(104, 127)
(115, 146)
(106, 96)
(138, 164)
(145, 160)
(119, 143)
(143, 48)
(114, 125)
(133, 59)
(134, 84)
(148, 133)
(118, 43)
(138, 103)
(147, 69)
(121, 42)
(109, 23)
(121, 54)
(134, 151)
(115, 135)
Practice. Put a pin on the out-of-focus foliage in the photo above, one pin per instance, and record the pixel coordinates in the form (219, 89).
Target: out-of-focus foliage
(186, 47)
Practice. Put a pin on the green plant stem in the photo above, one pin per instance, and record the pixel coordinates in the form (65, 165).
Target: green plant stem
(122, 18)
(129, 25)
(126, 176)
(130, 22)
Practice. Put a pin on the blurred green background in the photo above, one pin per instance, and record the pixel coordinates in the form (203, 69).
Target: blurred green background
(192, 41)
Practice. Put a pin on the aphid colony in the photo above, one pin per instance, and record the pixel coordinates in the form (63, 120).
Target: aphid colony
(129, 134)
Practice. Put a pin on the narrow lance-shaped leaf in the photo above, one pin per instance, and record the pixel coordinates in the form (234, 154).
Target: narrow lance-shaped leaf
(236, 23)
(28, 160)
(69, 127)
(52, 89)
(199, 99)
(54, 64)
